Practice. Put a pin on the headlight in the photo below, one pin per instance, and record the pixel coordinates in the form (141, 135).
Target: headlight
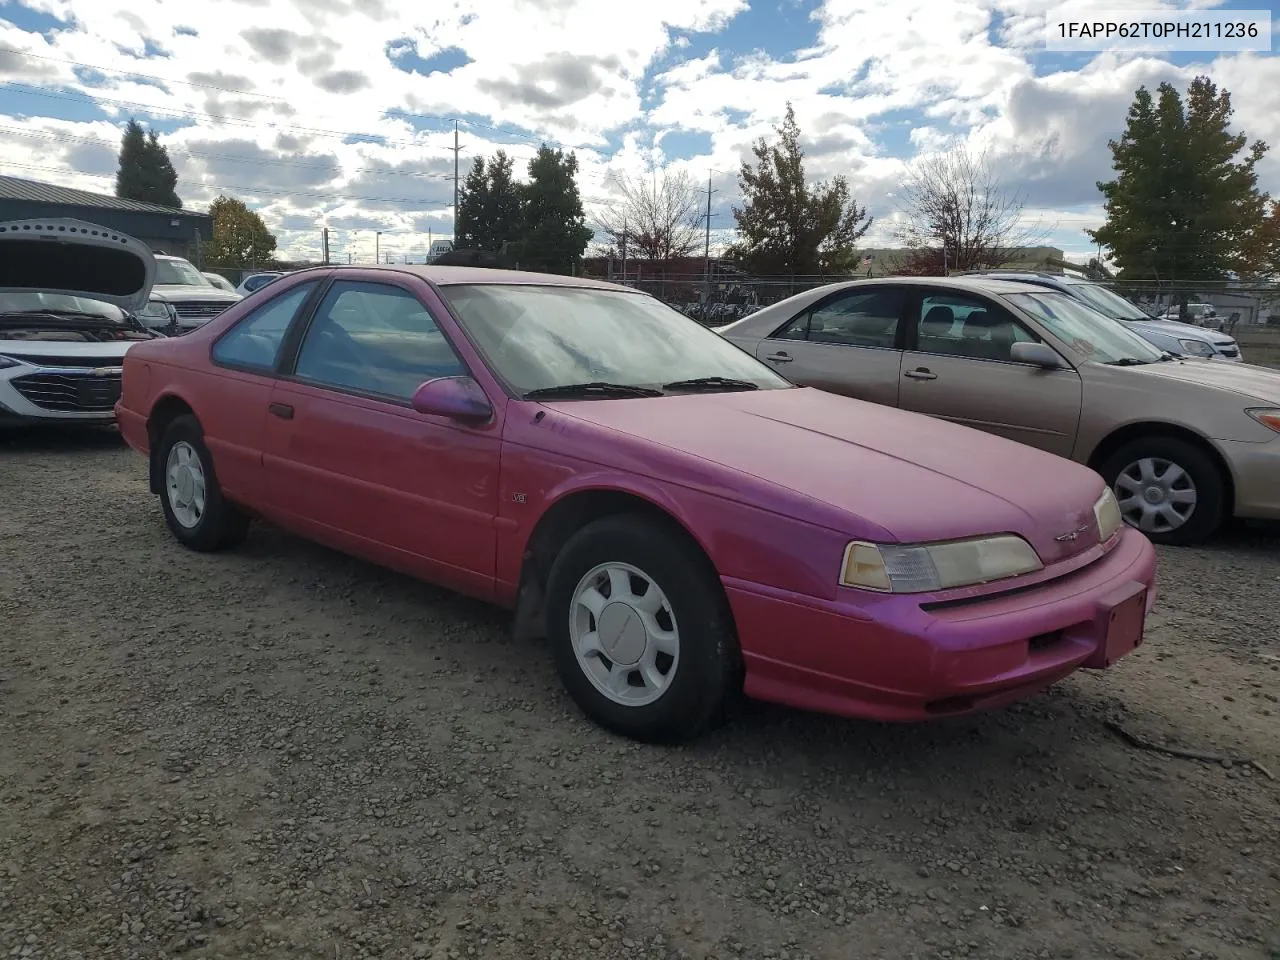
(1107, 512)
(924, 568)
(1197, 348)
(6, 362)
(1267, 416)
(158, 310)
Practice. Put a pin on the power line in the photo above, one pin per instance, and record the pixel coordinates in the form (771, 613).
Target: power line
(421, 203)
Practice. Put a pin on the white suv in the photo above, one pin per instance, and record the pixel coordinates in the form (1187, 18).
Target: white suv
(195, 300)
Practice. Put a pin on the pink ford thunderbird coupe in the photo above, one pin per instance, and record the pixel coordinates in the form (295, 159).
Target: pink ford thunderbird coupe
(679, 521)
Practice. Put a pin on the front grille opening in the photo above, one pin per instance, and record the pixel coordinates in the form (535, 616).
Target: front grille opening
(1044, 641)
(70, 393)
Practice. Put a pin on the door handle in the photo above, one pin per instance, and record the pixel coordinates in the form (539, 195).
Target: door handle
(281, 410)
(920, 373)
(778, 358)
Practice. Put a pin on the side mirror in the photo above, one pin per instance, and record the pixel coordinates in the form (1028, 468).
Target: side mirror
(459, 398)
(1037, 354)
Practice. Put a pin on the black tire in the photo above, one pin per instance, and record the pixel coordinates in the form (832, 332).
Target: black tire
(1210, 485)
(222, 524)
(708, 669)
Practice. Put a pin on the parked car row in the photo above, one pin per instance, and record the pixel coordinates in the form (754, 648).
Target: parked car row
(678, 510)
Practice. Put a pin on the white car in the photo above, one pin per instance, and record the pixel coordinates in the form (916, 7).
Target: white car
(256, 281)
(71, 297)
(194, 298)
(218, 280)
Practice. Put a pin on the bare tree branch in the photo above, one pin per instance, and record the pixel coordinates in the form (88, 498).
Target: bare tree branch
(660, 214)
(955, 205)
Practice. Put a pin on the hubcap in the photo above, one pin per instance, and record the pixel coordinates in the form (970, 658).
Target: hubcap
(624, 634)
(184, 484)
(1155, 495)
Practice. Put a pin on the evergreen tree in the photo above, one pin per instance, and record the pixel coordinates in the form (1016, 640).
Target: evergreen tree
(554, 234)
(145, 172)
(1184, 204)
(788, 227)
(488, 206)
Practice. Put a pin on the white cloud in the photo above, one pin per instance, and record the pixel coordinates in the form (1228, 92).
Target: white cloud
(265, 90)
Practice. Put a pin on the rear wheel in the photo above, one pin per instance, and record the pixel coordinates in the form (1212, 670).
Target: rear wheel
(641, 632)
(193, 504)
(1169, 489)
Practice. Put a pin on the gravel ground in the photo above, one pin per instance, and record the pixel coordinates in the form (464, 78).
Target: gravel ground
(281, 752)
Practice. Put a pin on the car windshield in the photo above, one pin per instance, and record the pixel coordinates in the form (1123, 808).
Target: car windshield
(1107, 302)
(26, 301)
(543, 337)
(179, 273)
(1098, 337)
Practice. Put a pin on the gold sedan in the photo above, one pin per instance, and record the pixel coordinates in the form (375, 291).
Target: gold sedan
(1185, 444)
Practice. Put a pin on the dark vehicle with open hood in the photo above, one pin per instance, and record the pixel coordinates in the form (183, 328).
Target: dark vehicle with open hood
(74, 298)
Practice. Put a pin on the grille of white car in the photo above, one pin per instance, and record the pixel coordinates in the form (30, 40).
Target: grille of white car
(70, 392)
(199, 309)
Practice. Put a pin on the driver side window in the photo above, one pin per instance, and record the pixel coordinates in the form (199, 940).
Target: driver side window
(373, 338)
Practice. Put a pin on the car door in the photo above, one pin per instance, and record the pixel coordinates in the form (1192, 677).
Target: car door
(848, 343)
(959, 369)
(350, 462)
(234, 413)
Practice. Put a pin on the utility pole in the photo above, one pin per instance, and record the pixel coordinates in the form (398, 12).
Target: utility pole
(457, 152)
(624, 250)
(377, 245)
(324, 244)
(706, 256)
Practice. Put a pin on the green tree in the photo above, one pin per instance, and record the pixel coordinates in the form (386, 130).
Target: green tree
(145, 172)
(1184, 204)
(787, 226)
(240, 238)
(489, 214)
(554, 231)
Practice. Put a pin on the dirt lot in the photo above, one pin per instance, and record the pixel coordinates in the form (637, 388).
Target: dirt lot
(279, 752)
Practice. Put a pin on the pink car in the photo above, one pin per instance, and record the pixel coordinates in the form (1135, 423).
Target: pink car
(678, 520)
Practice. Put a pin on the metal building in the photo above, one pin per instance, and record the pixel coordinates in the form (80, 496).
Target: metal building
(177, 232)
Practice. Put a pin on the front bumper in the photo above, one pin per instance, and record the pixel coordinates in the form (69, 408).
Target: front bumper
(32, 393)
(903, 658)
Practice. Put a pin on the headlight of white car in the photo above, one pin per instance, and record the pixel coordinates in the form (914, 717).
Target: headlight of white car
(7, 362)
(1107, 512)
(927, 567)
(1197, 348)
(158, 310)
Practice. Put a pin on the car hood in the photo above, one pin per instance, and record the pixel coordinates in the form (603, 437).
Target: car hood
(1245, 379)
(44, 351)
(1184, 330)
(75, 258)
(182, 292)
(915, 478)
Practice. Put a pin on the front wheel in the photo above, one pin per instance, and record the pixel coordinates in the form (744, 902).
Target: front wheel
(194, 508)
(1169, 489)
(641, 632)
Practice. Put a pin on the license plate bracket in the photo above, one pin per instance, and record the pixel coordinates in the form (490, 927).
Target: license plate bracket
(1120, 625)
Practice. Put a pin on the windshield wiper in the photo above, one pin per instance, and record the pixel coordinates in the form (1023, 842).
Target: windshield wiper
(58, 315)
(596, 388)
(711, 383)
(1128, 362)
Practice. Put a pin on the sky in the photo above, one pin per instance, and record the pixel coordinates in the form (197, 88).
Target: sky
(341, 113)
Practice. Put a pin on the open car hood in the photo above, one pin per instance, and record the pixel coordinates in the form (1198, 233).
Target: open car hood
(77, 259)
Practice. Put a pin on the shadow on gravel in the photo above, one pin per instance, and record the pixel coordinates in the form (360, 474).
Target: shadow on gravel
(68, 439)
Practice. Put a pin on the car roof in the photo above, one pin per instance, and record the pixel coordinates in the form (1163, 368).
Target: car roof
(454, 276)
(978, 284)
